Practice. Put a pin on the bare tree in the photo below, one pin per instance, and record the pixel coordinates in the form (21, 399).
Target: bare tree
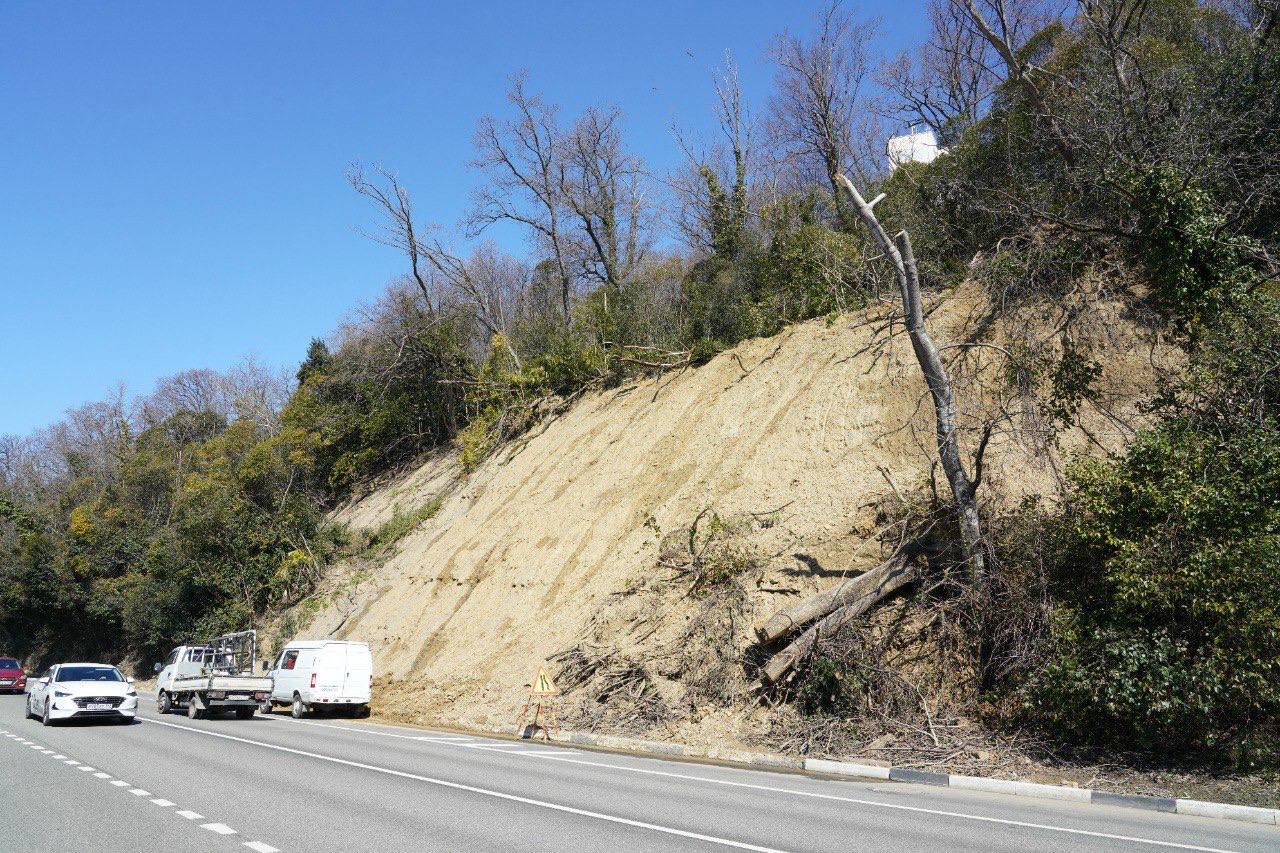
(488, 284)
(898, 251)
(948, 83)
(713, 187)
(818, 120)
(527, 169)
(603, 189)
(398, 230)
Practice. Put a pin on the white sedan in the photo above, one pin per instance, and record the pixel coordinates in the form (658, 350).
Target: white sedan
(82, 691)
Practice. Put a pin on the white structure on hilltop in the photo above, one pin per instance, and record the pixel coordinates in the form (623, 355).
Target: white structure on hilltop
(914, 147)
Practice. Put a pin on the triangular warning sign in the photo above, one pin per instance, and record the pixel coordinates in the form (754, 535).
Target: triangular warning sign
(543, 685)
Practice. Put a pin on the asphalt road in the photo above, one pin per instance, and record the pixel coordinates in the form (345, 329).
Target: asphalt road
(270, 784)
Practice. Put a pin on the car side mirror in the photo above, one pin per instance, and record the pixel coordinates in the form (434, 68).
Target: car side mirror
(130, 680)
(156, 669)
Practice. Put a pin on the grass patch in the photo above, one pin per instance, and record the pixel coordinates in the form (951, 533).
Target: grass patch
(398, 526)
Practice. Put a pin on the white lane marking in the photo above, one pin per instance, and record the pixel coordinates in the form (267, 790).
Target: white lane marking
(189, 815)
(551, 754)
(85, 768)
(58, 757)
(457, 786)
(47, 751)
(101, 775)
(138, 792)
(514, 749)
(220, 828)
(916, 809)
(162, 803)
(72, 762)
(260, 847)
(120, 783)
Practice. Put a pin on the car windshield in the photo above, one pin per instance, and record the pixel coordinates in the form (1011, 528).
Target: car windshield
(88, 673)
(9, 663)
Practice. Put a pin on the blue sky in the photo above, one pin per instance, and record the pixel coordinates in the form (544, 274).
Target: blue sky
(172, 173)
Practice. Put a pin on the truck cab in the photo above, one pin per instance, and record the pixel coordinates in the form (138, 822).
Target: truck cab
(182, 662)
(316, 675)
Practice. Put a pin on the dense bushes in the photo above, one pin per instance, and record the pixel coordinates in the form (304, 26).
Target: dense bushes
(1166, 568)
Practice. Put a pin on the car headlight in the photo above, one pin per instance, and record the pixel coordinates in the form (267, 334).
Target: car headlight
(132, 693)
(61, 693)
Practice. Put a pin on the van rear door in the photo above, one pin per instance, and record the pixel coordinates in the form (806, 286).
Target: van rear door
(331, 667)
(359, 671)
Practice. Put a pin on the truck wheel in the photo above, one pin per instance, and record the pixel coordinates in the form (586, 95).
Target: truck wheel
(245, 713)
(164, 703)
(299, 709)
(193, 712)
(265, 707)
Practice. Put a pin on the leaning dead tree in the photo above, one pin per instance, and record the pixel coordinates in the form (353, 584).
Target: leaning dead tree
(840, 606)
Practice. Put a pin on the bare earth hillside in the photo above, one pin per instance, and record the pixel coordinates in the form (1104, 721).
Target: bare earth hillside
(561, 541)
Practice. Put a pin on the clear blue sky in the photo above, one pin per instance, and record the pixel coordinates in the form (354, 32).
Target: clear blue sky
(172, 173)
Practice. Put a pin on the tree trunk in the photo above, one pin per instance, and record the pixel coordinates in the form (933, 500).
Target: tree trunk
(854, 589)
(898, 250)
(895, 576)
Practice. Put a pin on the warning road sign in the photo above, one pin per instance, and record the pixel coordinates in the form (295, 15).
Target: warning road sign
(543, 685)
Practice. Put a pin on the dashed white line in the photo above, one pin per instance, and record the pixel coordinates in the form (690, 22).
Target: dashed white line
(260, 847)
(220, 828)
(120, 783)
(458, 786)
(138, 792)
(189, 815)
(163, 803)
(85, 768)
(101, 775)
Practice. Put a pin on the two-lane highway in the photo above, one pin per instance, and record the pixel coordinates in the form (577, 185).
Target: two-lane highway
(273, 783)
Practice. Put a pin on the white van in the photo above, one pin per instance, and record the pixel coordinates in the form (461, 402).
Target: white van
(311, 675)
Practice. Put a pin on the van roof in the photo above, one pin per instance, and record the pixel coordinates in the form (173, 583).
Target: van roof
(315, 644)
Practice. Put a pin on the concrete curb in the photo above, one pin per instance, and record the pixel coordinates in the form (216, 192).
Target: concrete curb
(855, 770)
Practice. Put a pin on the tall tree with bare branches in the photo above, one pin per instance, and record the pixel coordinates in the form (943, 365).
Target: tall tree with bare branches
(818, 119)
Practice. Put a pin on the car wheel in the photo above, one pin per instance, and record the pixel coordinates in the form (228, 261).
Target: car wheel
(30, 714)
(299, 709)
(193, 712)
(46, 720)
(164, 703)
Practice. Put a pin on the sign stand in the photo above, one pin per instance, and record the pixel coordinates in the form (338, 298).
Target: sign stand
(542, 695)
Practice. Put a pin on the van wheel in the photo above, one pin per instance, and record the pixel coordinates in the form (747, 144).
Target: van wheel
(193, 712)
(299, 709)
(164, 703)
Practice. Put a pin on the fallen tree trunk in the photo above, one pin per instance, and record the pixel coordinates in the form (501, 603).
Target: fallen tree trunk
(895, 577)
(854, 589)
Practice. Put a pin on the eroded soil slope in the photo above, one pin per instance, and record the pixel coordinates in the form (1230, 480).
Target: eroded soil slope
(803, 435)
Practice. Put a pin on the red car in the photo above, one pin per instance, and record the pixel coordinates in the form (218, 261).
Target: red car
(12, 678)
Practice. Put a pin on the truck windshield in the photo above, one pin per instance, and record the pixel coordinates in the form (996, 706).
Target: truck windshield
(88, 673)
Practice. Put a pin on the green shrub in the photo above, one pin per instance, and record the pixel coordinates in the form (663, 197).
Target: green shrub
(1167, 572)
